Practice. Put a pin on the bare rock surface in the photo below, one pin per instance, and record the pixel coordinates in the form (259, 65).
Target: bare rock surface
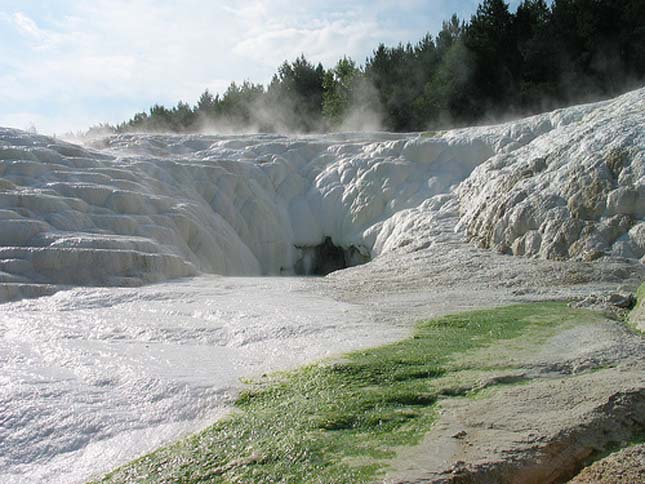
(577, 401)
(451, 275)
(625, 466)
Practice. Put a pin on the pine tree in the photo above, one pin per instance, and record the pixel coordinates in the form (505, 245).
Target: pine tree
(489, 37)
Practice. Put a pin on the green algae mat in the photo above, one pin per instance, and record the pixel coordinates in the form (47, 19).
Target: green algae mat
(637, 315)
(341, 421)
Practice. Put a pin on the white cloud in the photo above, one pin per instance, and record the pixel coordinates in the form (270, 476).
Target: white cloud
(39, 38)
(111, 55)
(27, 26)
(323, 42)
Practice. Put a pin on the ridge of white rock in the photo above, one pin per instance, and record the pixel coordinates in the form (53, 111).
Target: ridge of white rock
(132, 209)
(573, 192)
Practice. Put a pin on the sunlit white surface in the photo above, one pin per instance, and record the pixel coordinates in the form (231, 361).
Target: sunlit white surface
(92, 377)
(132, 209)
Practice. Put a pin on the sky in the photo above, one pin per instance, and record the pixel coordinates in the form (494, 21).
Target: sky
(68, 64)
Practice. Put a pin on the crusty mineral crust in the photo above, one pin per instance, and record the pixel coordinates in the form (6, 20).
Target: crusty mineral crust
(625, 466)
(585, 394)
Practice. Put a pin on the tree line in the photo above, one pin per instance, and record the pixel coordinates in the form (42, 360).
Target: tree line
(497, 63)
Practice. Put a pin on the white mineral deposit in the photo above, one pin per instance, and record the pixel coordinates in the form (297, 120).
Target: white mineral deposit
(98, 364)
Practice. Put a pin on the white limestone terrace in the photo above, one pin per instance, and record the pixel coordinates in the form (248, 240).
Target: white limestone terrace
(133, 209)
(92, 377)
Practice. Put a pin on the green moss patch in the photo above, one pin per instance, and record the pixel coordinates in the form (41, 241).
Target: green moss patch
(340, 422)
(636, 318)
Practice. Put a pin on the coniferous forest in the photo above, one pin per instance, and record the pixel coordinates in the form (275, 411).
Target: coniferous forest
(495, 65)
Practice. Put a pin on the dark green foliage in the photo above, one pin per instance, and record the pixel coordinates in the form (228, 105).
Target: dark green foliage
(338, 86)
(237, 104)
(538, 55)
(489, 40)
(545, 55)
(399, 75)
(297, 90)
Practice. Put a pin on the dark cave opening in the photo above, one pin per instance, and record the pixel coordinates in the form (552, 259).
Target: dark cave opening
(327, 257)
